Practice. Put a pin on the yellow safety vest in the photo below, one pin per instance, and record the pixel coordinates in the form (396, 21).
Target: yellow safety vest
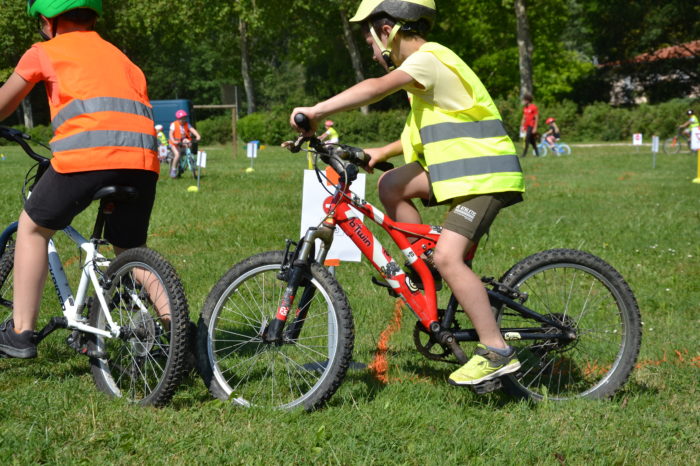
(694, 122)
(467, 151)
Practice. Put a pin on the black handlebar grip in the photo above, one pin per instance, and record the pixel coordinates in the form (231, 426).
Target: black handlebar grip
(302, 121)
(384, 166)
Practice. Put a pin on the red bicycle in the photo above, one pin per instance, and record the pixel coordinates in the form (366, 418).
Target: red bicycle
(277, 329)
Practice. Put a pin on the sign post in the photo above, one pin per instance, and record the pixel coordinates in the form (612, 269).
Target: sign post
(695, 145)
(654, 150)
(637, 140)
(252, 153)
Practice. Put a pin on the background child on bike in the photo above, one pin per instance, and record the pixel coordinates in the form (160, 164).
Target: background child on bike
(331, 133)
(180, 130)
(690, 124)
(103, 135)
(163, 146)
(552, 135)
(456, 149)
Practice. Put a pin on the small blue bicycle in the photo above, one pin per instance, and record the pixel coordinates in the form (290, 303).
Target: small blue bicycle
(559, 149)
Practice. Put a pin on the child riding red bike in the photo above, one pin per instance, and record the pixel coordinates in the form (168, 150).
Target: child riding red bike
(457, 153)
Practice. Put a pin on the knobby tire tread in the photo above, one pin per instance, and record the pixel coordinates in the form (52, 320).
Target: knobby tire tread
(177, 365)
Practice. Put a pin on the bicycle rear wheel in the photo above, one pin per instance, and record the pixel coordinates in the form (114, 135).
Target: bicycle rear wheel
(583, 292)
(145, 298)
(7, 280)
(672, 146)
(237, 363)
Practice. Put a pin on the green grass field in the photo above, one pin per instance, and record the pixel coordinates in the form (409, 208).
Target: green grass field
(605, 200)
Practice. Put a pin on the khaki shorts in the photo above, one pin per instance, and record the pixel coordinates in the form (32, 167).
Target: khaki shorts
(472, 216)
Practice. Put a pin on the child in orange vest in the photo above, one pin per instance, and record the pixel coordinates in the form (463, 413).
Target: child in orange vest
(103, 135)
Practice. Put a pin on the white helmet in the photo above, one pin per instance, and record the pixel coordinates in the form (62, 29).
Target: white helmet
(159, 127)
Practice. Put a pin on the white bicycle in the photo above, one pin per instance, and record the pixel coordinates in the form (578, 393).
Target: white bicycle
(135, 327)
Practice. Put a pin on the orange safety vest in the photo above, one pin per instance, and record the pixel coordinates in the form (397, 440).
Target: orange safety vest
(100, 112)
(179, 130)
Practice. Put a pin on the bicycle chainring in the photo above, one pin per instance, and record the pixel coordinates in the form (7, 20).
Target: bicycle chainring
(428, 346)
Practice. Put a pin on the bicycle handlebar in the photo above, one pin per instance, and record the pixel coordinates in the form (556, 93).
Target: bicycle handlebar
(337, 156)
(15, 135)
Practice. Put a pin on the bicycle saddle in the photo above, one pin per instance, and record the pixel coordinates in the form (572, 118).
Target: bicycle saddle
(116, 193)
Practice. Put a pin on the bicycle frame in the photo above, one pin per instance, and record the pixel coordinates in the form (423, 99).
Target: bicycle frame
(340, 209)
(70, 304)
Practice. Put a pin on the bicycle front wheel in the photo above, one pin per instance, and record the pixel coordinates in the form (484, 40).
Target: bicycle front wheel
(563, 149)
(7, 262)
(306, 368)
(671, 146)
(588, 295)
(147, 361)
(192, 162)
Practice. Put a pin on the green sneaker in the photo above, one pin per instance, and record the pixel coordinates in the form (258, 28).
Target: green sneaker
(484, 365)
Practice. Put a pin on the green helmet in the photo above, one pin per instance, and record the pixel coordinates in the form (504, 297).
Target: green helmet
(402, 10)
(53, 8)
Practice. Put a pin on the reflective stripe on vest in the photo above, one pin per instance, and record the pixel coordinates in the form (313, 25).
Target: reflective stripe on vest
(100, 104)
(468, 151)
(474, 166)
(469, 129)
(105, 138)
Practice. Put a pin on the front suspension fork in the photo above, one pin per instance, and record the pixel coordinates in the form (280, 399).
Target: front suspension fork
(298, 275)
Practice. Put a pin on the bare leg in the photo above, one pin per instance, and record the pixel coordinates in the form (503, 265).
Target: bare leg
(30, 268)
(467, 287)
(398, 186)
(153, 287)
(176, 157)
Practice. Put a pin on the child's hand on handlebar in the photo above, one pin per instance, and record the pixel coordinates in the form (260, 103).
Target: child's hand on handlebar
(312, 117)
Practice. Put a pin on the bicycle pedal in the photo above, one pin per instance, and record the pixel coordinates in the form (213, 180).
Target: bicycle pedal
(487, 386)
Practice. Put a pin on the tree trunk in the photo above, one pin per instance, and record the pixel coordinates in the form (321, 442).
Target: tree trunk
(525, 47)
(27, 113)
(353, 51)
(245, 67)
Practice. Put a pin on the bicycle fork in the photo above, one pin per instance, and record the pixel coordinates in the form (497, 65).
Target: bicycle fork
(297, 273)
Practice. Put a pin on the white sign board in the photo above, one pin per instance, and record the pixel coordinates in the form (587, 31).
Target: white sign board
(202, 159)
(312, 214)
(695, 139)
(252, 149)
(655, 144)
(637, 139)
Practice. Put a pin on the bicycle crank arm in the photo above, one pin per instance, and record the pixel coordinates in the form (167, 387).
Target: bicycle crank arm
(54, 323)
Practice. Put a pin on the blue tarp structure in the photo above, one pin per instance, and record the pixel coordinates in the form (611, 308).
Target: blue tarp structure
(164, 111)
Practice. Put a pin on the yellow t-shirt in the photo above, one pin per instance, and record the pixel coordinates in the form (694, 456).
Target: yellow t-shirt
(441, 86)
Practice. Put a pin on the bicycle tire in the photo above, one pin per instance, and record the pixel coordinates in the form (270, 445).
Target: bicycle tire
(234, 361)
(542, 149)
(192, 162)
(671, 146)
(147, 362)
(563, 149)
(587, 293)
(7, 264)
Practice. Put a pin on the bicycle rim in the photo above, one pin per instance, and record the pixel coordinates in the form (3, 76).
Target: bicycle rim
(582, 292)
(252, 372)
(145, 363)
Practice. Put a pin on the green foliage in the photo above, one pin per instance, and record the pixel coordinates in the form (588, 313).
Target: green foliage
(270, 128)
(215, 130)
